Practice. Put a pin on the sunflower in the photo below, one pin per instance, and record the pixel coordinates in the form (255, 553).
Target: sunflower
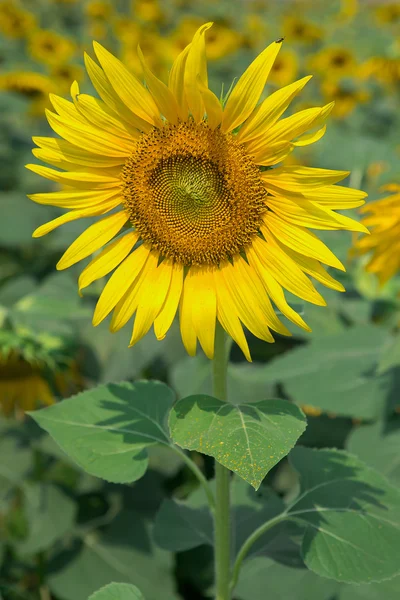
(50, 47)
(381, 68)
(383, 244)
(388, 14)
(34, 370)
(192, 211)
(63, 74)
(345, 95)
(148, 11)
(15, 22)
(284, 68)
(296, 29)
(30, 85)
(334, 62)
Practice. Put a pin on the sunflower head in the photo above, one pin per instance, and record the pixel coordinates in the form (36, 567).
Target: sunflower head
(194, 214)
(34, 370)
(49, 47)
(383, 245)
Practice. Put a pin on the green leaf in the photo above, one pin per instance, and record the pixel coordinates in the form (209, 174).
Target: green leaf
(16, 461)
(377, 449)
(390, 355)
(181, 526)
(124, 553)
(351, 514)
(50, 515)
(262, 578)
(334, 373)
(387, 590)
(248, 439)
(118, 591)
(106, 430)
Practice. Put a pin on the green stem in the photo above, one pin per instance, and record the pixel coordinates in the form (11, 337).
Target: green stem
(244, 550)
(222, 545)
(197, 472)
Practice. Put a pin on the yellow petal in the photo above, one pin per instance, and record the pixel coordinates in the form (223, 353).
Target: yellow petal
(176, 83)
(247, 91)
(119, 282)
(76, 199)
(161, 94)
(151, 299)
(285, 271)
(128, 304)
(128, 87)
(66, 109)
(269, 111)
(204, 306)
(254, 293)
(335, 197)
(188, 332)
(81, 179)
(290, 128)
(167, 314)
(196, 66)
(89, 138)
(62, 150)
(245, 307)
(308, 214)
(315, 269)
(227, 316)
(274, 290)
(98, 114)
(212, 105)
(93, 238)
(73, 215)
(298, 178)
(299, 239)
(108, 259)
(310, 138)
(106, 92)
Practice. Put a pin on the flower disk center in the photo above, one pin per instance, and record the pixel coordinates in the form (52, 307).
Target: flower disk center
(193, 193)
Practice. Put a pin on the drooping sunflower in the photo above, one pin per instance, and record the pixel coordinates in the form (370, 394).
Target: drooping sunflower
(34, 370)
(383, 245)
(193, 211)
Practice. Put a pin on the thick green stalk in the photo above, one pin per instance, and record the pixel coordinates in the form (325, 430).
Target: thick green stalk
(222, 522)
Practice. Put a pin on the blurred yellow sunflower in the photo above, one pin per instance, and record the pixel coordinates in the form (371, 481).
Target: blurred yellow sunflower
(334, 62)
(346, 96)
(384, 242)
(50, 47)
(149, 11)
(30, 85)
(388, 13)
(63, 74)
(284, 69)
(296, 29)
(200, 221)
(34, 371)
(14, 21)
(384, 69)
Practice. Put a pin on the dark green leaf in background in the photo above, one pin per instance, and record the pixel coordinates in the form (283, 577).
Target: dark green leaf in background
(351, 514)
(248, 439)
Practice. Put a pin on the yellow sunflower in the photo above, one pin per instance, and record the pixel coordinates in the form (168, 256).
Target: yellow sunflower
(334, 62)
(194, 212)
(34, 371)
(284, 69)
(296, 29)
(14, 21)
(32, 86)
(388, 14)
(384, 69)
(384, 242)
(345, 95)
(50, 47)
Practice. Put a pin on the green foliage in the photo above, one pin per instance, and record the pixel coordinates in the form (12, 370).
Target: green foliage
(351, 515)
(107, 430)
(248, 439)
(118, 591)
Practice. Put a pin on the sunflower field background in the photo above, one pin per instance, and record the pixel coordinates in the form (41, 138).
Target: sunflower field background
(63, 533)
